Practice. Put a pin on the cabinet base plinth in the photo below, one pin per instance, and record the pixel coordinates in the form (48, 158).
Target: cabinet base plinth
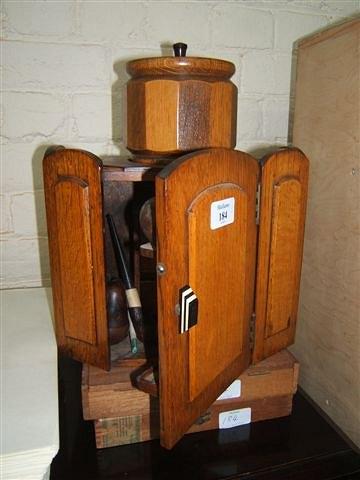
(123, 415)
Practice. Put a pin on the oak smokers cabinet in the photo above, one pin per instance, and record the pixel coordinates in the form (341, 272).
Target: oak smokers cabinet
(244, 266)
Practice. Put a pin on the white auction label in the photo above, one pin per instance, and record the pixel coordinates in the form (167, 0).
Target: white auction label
(222, 213)
(233, 391)
(235, 418)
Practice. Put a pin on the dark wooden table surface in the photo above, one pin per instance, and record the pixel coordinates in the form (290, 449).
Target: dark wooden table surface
(301, 446)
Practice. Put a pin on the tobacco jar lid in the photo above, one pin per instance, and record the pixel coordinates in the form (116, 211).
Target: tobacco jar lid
(180, 65)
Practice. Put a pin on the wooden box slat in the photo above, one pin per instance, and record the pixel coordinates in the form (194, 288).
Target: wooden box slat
(111, 432)
(122, 414)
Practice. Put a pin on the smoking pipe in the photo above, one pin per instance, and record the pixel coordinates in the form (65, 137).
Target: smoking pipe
(132, 295)
(118, 321)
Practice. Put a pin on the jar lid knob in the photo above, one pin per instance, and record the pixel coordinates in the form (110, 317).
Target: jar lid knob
(180, 49)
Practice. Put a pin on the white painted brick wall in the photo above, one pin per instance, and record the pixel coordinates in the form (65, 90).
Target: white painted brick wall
(265, 72)
(289, 27)
(236, 26)
(31, 115)
(118, 22)
(25, 19)
(64, 72)
(91, 114)
(50, 66)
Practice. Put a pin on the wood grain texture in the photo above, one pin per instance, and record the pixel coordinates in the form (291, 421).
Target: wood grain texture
(174, 113)
(110, 432)
(206, 361)
(284, 182)
(120, 169)
(102, 391)
(74, 247)
(283, 258)
(267, 388)
(326, 128)
(180, 66)
(73, 193)
(178, 187)
(152, 115)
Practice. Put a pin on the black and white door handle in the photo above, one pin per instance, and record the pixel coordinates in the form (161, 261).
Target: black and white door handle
(189, 306)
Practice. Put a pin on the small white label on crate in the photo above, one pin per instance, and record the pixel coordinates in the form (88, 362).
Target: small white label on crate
(222, 213)
(233, 391)
(234, 418)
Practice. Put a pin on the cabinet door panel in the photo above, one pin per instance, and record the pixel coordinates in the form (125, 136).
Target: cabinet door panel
(281, 231)
(205, 215)
(72, 181)
(208, 263)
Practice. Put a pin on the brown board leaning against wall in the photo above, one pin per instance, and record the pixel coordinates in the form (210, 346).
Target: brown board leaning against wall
(326, 127)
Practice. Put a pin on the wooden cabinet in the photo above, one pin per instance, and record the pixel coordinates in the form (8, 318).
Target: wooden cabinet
(237, 249)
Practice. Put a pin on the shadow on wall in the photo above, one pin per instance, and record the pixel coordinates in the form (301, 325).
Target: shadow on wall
(37, 170)
(118, 121)
(118, 105)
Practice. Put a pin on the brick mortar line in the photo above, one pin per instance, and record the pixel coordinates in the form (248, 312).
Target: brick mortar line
(125, 47)
(107, 93)
(16, 236)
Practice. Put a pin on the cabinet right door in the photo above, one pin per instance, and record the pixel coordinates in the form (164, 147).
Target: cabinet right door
(284, 184)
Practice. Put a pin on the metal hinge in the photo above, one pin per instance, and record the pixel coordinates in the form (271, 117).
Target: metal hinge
(206, 417)
(252, 331)
(257, 204)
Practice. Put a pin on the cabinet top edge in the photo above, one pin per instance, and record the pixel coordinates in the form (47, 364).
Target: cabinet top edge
(122, 168)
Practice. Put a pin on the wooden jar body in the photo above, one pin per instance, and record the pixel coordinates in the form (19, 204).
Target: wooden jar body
(172, 111)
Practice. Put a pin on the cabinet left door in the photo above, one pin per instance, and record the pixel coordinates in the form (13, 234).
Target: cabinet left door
(73, 195)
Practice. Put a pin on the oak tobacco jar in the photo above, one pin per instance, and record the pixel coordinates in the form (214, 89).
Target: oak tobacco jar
(180, 104)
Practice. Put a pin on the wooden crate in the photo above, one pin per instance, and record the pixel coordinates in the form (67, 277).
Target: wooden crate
(122, 414)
